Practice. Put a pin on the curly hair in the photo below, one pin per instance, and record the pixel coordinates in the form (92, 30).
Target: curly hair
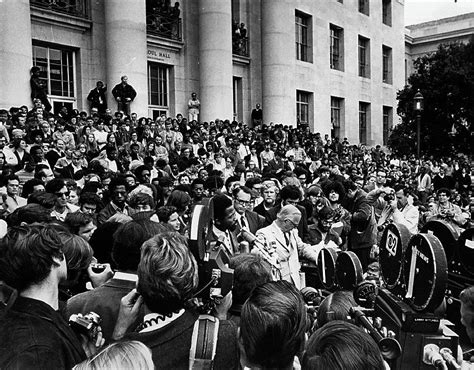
(167, 273)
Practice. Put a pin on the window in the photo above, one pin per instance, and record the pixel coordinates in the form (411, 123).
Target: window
(158, 86)
(237, 98)
(364, 120)
(336, 47)
(303, 101)
(337, 116)
(386, 64)
(303, 37)
(78, 8)
(387, 123)
(57, 68)
(364, 7)
(364, 57)
(387, 12)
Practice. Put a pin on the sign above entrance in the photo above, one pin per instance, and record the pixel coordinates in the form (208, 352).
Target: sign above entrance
(161, 55)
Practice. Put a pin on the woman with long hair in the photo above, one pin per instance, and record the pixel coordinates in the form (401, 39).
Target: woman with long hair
(92, 150)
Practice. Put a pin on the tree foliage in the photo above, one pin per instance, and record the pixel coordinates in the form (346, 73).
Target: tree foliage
(446, 81)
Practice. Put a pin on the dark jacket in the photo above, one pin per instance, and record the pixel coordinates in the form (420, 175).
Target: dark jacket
(254, 221)
(67, 172)
(170, 345)
(34, 336)
(363, 232)
(124, 91)
(105, 301)
(97, 98)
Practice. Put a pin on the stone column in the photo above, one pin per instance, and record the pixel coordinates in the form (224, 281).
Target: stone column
(278, 60)
(16, 55)
(215, 59)
(126, 50)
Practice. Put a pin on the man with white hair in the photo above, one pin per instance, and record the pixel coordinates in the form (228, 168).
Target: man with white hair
(280, 244)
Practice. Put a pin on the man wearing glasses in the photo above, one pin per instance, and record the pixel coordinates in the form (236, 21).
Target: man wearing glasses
(247, 220)
(62, 207)
(281, 245)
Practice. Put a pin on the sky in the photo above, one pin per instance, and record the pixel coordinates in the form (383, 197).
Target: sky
(418, 11)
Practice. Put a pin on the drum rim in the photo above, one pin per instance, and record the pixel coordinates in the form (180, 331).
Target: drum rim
(397, 227)
(429, 304)
(358, 269)
(334, 256)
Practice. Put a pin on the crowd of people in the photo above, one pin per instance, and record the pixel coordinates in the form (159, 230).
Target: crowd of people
(96, 213)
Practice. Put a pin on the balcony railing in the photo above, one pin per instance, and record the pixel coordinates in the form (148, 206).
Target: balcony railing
(76, 8)
(164, 25)
(240, 46)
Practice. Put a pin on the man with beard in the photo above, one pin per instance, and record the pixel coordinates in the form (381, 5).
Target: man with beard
(321, 232)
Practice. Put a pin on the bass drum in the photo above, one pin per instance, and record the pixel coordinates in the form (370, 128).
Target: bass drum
(447, 234)
(466, 250)
(348, 270)
(425, 271)
(326, 267)
(198, 231)
(393, 244)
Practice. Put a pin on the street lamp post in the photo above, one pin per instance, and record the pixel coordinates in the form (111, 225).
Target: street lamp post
(418, 107)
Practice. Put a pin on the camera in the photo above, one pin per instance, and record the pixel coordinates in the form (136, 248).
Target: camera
(88, 324)
(389, 197)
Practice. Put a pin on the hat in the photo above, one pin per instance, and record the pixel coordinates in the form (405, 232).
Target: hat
(18, 132)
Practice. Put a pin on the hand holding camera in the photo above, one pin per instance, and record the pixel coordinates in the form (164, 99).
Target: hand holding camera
(88, 327)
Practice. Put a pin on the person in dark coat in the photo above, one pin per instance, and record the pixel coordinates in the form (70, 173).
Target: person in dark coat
(39, 88)
(124, 94)
(97, 97)
(34, 335)
(363, 234)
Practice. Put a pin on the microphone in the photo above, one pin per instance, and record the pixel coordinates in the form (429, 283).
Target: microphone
(365, 293)
(389, 347)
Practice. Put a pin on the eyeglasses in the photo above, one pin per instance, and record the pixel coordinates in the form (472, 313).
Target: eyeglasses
(63, 194)
(243, 202)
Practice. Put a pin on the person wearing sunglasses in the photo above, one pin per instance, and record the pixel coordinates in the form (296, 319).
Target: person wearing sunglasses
(62, 207)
